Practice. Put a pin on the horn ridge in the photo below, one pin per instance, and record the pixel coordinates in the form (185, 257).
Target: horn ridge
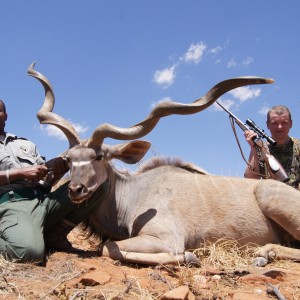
(45, 114)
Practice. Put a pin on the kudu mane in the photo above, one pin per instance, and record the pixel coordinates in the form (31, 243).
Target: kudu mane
(159, 161)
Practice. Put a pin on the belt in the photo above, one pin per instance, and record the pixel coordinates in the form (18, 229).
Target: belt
(21, 194)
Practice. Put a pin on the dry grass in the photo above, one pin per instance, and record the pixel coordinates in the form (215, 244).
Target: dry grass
(54, 283)
(226, 254)
(6, 268)
(220, 262)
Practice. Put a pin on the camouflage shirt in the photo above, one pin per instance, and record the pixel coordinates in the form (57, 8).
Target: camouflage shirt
(289, 157)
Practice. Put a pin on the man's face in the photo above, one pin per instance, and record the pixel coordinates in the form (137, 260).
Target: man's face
(3, 117)
(279, 125)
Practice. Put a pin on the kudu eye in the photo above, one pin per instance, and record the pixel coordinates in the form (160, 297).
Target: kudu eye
(99, 157)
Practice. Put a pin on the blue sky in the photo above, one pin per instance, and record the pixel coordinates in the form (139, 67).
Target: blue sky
(111, 61)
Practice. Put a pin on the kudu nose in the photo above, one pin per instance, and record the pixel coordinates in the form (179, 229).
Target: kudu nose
(76, 190)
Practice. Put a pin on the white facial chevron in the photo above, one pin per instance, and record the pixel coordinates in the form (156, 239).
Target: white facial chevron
(80, 163)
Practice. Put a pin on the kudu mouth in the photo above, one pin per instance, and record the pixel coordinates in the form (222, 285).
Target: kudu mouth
(79, 194)
(79, 200)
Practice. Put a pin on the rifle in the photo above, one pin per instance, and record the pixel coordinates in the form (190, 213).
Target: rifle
(272, 163)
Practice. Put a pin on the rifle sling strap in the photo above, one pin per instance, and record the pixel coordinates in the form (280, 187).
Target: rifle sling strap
(258, 150)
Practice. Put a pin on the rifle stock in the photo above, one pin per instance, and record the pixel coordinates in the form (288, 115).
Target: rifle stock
(275, 168)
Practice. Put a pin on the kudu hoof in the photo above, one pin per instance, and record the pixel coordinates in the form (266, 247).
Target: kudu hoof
(191, 259)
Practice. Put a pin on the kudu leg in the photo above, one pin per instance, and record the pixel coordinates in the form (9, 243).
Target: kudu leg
(281, 203)
(270, 252)
(145, 250)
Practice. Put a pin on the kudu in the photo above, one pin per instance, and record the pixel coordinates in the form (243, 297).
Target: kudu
(158, 215)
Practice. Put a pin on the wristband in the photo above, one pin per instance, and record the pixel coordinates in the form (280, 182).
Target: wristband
(7, 177)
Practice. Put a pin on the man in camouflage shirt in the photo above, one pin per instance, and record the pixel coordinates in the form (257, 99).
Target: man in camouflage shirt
(286, 151)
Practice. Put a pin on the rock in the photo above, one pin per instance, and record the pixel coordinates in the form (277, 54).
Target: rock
(275, 274)
(180, 293)
(216, 278)
(95, 278)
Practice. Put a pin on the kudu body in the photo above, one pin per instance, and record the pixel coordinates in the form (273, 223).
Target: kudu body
(159, 214)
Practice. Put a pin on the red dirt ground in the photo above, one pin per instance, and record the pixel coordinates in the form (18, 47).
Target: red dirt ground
(88, 276)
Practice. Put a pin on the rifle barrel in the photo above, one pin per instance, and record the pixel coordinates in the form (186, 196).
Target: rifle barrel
(243, 126)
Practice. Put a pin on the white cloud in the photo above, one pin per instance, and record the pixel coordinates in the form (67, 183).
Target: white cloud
(247, 61)
(165, 77)
(245, 92)
(165, 99)
(226, 103)
(215, 50)
(195, 53)
(264, 110)
(54, 131)
(232, 63)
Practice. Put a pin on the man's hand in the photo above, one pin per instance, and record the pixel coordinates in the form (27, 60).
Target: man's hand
(57, 167)
(34, 173)
(250, 136)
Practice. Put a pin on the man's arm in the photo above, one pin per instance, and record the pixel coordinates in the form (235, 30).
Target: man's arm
(32, 173)
(252, 169)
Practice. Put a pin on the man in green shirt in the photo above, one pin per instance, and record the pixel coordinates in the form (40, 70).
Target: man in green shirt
(31, 217)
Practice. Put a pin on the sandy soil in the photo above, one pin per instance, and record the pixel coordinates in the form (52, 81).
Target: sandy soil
(88, 276)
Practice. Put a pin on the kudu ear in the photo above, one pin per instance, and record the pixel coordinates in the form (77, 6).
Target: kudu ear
(129, 153)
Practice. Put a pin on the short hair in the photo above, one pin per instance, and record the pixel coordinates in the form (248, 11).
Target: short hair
(279, 110)
(3, 104)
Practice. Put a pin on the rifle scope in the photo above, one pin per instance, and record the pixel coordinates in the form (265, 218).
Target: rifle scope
(260, 132)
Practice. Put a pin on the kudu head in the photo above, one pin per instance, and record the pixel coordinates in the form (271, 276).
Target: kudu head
(87, 158)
